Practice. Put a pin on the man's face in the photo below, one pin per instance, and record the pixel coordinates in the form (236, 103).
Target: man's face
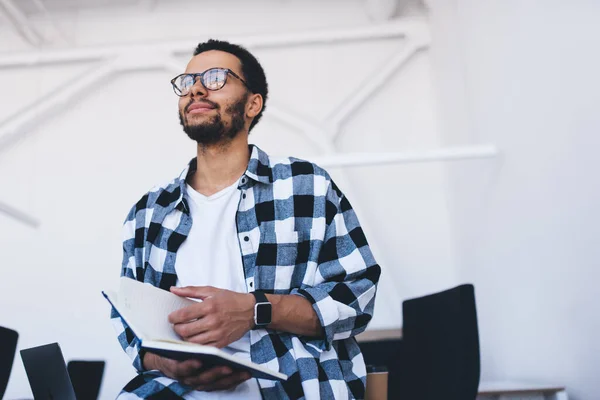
(214, 117)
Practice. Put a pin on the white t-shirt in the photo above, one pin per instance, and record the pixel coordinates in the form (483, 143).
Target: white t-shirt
(210, 256)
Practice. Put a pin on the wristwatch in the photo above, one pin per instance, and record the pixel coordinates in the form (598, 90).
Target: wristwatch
(262, 310)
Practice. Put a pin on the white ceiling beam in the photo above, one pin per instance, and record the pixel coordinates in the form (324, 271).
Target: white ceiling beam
(18, 215)
(397, 29)
(142, 57)
(406, 157)
(13, 128)
(381, 10)
(314, 132)
(375, 81)
(386, 10)
(57, 31)
(21, 23)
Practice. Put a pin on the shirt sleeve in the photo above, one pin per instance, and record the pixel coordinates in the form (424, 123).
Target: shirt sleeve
(343, 295)
(127, 339)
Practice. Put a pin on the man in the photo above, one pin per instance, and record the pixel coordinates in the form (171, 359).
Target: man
(273, 248)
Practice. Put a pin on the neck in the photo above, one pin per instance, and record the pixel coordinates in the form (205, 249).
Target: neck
(220, 165)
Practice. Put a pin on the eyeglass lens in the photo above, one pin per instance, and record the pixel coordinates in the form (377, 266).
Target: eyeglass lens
(212, 79)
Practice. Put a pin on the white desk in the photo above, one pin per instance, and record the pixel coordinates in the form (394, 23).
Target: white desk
(520, 391)
(379, 334)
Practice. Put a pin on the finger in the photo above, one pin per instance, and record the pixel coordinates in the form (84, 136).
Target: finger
(195, 292)
(209, 376)
(207, 338)
(209, 324)
(182, 369)
(226, 383)
(191, 313)
(190, 329)
(190, 364)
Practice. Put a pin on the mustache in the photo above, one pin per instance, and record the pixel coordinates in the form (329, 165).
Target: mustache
(210, 103)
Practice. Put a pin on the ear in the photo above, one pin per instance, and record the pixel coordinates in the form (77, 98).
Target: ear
(254, 105)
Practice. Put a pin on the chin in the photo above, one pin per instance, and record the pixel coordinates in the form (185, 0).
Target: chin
(197, 127)
(196, 120)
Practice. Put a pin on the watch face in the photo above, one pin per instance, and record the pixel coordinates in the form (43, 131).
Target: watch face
(263, 313)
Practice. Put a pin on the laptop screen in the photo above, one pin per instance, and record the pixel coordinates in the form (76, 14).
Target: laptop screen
(47, 373)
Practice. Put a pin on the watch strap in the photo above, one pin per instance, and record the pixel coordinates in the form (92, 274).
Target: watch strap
(260, 297)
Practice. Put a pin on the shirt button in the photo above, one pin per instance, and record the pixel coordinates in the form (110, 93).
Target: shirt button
(243, 180)
(243, 195)
(251, 284)
(246, 239)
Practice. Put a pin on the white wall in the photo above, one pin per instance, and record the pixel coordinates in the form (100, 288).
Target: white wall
(526, 225)
(81, 170)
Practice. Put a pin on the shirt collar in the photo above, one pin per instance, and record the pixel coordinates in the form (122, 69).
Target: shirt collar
(259, 169)
(259, 166)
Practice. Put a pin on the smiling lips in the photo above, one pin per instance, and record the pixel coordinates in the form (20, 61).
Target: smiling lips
(199, 108)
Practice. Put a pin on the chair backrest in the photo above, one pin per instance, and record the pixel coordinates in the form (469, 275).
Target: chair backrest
(441, 342)
(86, 377)
(8, 348)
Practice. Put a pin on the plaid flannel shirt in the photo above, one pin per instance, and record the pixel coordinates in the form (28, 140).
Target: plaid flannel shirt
(298, 235)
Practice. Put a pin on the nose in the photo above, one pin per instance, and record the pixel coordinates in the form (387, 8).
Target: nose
(198, 88)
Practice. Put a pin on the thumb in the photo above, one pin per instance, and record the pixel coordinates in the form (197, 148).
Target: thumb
(195, 292)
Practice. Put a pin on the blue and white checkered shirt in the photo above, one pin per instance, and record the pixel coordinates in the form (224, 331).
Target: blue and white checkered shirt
(298, 235)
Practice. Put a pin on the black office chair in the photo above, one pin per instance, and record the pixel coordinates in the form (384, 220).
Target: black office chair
(8, 348)
(441, 343)
(86, 377)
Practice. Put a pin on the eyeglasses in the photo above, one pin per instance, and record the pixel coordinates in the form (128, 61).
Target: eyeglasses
(212, 79)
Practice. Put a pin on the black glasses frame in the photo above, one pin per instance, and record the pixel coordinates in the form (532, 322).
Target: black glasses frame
(200, 75)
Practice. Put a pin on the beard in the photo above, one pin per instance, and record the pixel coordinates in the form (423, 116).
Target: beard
(214, 131)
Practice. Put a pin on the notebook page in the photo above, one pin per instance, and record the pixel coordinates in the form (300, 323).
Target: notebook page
(148, 308)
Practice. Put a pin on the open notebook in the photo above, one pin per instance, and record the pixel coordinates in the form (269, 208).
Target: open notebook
(145, 309)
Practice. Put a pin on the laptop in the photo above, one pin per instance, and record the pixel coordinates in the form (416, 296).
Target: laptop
(47, 373)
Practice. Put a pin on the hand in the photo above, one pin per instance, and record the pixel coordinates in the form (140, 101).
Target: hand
(220, 319)
(188, 372)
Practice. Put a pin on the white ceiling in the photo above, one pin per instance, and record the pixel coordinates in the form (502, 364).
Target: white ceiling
(31, 7)
(21, 14)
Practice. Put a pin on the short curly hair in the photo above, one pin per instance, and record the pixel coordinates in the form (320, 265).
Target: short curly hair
(252, 71)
